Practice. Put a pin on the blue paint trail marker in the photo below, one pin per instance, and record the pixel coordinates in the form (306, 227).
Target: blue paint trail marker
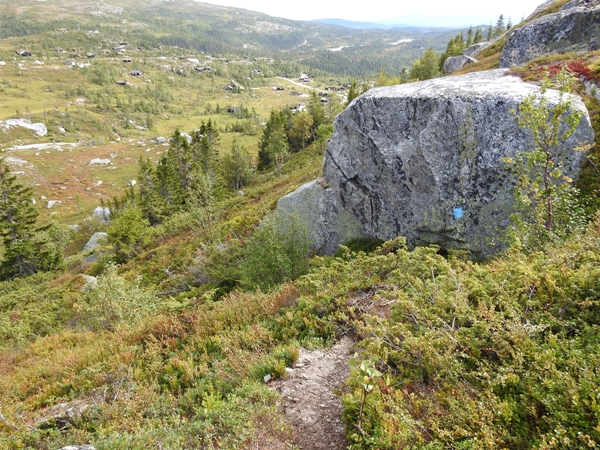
(458, 213)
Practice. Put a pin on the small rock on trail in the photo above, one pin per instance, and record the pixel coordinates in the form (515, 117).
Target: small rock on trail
(308, 400)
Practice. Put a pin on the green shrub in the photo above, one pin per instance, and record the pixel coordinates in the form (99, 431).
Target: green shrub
(113, 301)
(126, 233)
(277, 252)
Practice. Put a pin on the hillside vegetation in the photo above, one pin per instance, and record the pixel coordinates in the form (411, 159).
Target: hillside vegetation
(169, 334)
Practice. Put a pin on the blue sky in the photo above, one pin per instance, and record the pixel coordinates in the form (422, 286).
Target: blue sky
(454, 12)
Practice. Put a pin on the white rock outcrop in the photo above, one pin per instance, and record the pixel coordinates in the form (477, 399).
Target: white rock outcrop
(38, 128)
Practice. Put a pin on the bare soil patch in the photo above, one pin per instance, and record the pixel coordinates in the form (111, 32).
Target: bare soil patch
(310, 397)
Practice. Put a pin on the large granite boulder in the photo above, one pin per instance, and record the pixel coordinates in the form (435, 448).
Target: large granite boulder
(474, 49)
(317, 207)
(454, 63)
(574, 28)
(425, 161)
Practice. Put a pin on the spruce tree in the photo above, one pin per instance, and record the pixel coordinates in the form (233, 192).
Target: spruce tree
(237, 166)
(180, 157)
(149, 199)
(353, 92)
(277, 121)
(18, 217)
(315, 109)
(205, 150)
(171, 195)
(470, 37)
(478, 37)
(500, 27)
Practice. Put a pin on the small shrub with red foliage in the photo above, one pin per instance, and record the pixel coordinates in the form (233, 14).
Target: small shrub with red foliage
(577, 67)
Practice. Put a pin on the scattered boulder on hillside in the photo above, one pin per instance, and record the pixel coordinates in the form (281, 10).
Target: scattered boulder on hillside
(38, 128)
(576, 27)
(592, 89)
(64, 415)
(52, 203)
(90, 282)
(78, 447)
(100, 162)
(95, 241)
(454, 63)
(475, 48)
(425, 161)
(15, 161)
(102, 212)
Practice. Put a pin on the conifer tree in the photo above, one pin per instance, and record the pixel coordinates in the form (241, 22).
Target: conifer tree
(277, 121)
(455, 47)
(470, 37)
(500, 26)
(180, 157)
(353, 92)
(171, 195)
(315, 109)
(236, 166)
(478, 36)
(205, 152)
(149, 200)
(23, 251)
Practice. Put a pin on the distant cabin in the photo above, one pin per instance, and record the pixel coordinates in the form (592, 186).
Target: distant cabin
(298, 108)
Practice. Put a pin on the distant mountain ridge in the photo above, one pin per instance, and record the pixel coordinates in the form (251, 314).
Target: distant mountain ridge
(379, 25)
(365, 48)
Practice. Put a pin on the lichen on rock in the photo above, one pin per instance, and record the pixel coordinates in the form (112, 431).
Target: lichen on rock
(576, 27)
(426, 161)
